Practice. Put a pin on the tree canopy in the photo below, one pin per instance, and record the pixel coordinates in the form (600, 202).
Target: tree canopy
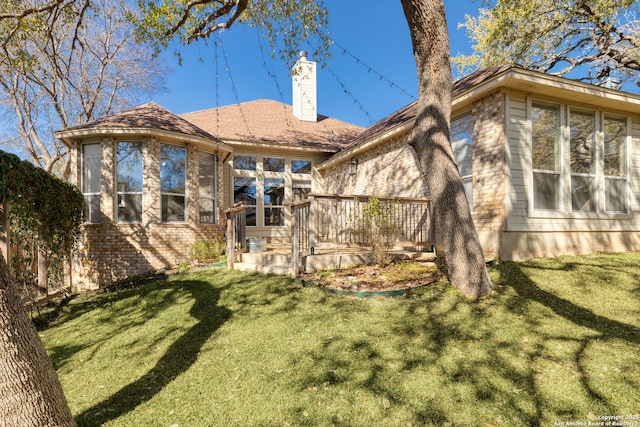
(65, 63)
(593, 39)
(288, 24)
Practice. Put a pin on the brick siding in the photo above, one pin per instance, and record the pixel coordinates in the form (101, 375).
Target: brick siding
(110, 251)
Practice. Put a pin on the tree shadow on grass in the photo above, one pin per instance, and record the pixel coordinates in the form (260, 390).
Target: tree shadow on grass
(514, 277)
(178, 358)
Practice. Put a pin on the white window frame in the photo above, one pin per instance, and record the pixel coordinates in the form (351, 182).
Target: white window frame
(83, 157)
(259, 174)
(598, 177)
(173, 194)
(205, 197)
(559, 157)
(118, 194)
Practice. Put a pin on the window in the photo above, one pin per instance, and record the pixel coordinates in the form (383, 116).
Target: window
(615, 164)
(91, 161)
(173, 178)
(207, 187)
(244, 190)
(271, 164)
(462, 145)
(545, 156)
(273, 202)
(582, 146)
(595, 143)
(129, 182)
(301, 190)
(301, 167)
(244, 163)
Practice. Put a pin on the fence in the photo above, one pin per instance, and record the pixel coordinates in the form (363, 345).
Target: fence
(337, 219)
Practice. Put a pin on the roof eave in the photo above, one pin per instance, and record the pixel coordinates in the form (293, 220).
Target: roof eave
(535, 82)
(512, 78)
(291, 147)
(351, 152)
(68, 135)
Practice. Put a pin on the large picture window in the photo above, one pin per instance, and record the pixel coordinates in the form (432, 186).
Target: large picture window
(129, 182)
(265, 183)
(545, 156)
(615, 164)
(582, 147)
(173, 178)
(595, 143)
(207, 187)
(91, 161)
(462, 145)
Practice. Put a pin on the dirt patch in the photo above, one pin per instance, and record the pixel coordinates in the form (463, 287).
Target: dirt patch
(373, 278)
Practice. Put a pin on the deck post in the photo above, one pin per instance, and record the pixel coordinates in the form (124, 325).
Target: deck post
(231, 240)
(311, 226)
(295, 243)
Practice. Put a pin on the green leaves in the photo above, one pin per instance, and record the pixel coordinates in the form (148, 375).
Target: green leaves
(44, 203)
(595, 38)
(287, 24)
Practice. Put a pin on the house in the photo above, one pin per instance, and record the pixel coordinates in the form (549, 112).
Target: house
(155, 183)
(550, 166)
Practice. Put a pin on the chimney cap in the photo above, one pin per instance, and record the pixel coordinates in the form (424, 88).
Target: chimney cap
(302, 54)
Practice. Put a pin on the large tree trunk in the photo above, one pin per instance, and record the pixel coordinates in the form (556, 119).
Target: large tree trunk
(30, 392)
(430, 138)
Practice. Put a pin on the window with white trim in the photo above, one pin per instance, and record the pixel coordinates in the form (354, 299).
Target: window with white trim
(582, 152)
(128, 182)
(545, 156)
(173, 179)
(91, 161)
(615, 164)
(273, 202)
(245, 191)
(596, 177)
(207, 187)
(462, 146)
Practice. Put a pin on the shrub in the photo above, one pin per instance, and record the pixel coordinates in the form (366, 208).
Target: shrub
(378, 224)
(208, 250)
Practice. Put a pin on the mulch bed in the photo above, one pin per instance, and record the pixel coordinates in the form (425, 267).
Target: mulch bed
(373, 278)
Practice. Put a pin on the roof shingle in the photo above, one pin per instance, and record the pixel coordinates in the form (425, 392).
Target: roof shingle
(271, 122)
(147, 116)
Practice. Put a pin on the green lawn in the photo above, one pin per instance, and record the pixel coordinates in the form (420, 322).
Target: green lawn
(558, 342)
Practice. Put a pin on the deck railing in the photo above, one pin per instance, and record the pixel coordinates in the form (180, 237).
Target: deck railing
(236, 232)
(324, 218)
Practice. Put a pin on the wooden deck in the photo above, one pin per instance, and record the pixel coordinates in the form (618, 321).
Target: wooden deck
(330, 231)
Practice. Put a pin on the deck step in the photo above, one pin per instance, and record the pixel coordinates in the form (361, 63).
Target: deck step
(266, 269)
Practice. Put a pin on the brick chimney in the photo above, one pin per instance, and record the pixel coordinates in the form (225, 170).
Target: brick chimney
(305, 102)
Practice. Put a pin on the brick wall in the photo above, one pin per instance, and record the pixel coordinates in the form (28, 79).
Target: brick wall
(110, 251)
(389, 169)
(489, 163)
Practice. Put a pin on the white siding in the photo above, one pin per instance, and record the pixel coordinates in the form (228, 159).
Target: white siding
(520, 216)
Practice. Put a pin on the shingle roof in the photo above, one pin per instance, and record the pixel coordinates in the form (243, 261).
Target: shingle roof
(271, 122)
(409, 111)
(147, 116)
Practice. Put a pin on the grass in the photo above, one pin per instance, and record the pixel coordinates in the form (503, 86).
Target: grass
(558, 342)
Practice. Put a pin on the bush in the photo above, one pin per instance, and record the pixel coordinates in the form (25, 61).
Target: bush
(208, 250)
(377, 222)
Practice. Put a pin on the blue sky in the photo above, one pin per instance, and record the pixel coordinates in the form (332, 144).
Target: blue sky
(374, 31)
